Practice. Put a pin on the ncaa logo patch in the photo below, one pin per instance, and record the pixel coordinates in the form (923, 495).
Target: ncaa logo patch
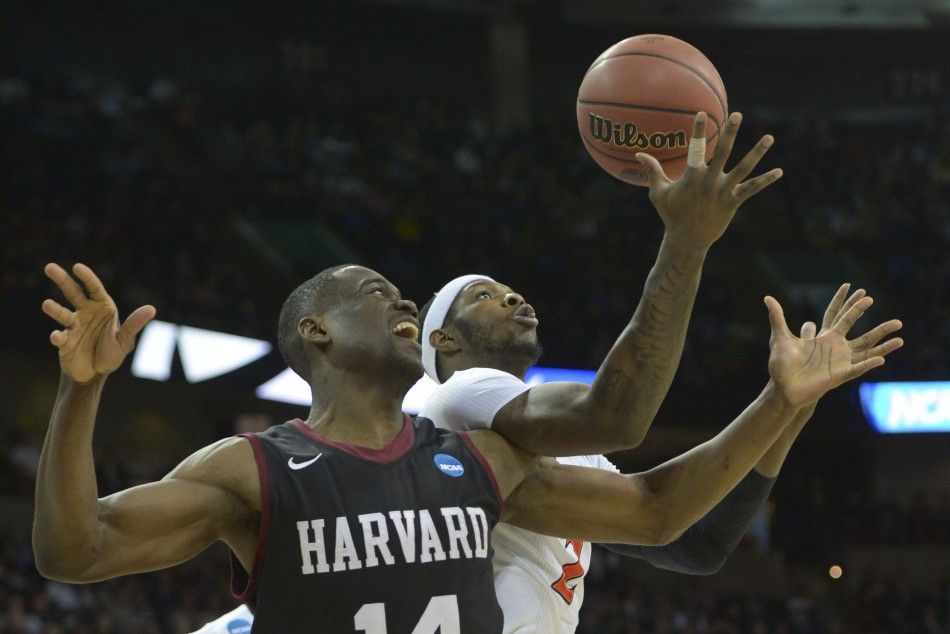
(239, 626)
(448, 465)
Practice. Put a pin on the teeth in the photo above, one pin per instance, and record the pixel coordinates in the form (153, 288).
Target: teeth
(406, 329)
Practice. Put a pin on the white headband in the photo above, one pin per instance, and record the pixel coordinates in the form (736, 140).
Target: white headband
(435, 318)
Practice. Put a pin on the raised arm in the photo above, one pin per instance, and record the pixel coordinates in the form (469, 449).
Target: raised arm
(706, 545)
(657, 506)
(620, 405)
(78, 537)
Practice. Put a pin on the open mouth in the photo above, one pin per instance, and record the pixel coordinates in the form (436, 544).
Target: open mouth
(406, 330)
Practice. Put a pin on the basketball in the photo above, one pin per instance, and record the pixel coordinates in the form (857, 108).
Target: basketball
(641, 95)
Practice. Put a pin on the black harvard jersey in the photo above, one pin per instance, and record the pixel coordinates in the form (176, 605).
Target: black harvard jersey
(388, 541)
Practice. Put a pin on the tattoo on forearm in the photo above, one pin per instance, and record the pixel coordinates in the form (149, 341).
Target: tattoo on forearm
(640, 367)
(620, 390)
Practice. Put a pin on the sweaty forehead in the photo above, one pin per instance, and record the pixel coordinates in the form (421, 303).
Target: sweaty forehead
(354, 272)
(357, 276)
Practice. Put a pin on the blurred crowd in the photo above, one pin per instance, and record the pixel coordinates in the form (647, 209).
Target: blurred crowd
(173, 601)
(145, 183)
(86, 178)
(618, 603)
(812, 524)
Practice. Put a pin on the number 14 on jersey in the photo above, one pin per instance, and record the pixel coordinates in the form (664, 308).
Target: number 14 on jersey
(441, 615)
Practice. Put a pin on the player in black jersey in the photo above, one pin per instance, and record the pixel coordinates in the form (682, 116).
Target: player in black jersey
(358, 519)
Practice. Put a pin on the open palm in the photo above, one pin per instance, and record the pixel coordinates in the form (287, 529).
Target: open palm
(698, 207)
(92, 341)
(805, 368)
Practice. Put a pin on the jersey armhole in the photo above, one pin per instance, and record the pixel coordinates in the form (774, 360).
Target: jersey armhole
(244, 584)
(487, 468)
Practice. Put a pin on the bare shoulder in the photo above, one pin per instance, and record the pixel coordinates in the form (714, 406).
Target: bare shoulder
(509, 463)
(228, 464)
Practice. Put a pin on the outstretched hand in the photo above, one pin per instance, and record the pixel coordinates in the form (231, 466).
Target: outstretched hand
(92, 341)
(807, 367)
(697, 208)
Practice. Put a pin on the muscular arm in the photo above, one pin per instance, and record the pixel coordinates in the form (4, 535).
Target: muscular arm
(771, 463)
(618, 408)
(78, 537)
(706, 545)
(633, 380)
(654, 507)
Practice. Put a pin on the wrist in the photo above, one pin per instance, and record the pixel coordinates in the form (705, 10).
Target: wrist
(774, 397)
(68, 382)
(683, 246)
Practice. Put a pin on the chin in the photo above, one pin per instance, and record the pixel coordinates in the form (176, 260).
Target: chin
(409, 375)
(409, 367)
(529, 349)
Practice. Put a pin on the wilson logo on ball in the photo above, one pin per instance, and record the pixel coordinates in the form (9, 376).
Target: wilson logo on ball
(626, 135)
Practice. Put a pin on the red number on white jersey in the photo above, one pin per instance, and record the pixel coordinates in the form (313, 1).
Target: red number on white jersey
(570, 572)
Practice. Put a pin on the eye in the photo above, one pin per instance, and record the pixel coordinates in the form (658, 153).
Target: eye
(378, 290)
(483, 295)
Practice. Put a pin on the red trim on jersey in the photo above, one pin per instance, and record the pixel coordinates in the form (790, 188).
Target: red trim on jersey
(487, 467)
(239, 576)
(397, 448)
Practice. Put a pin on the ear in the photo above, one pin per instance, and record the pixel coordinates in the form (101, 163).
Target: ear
(442, 341)
(312, 330)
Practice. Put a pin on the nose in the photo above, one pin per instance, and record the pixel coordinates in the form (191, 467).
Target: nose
(514, 299)
(407, 306)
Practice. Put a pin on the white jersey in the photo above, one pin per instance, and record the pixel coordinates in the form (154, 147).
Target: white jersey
(237, 621)
(539, 580)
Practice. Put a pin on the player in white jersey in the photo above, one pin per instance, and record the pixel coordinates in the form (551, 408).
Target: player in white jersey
(539, 580)
(480, 338)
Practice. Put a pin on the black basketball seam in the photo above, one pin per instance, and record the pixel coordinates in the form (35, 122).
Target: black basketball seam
(633, 160)
(636, 106)
(669, 59)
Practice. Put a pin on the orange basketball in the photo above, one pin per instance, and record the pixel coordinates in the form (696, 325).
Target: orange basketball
(641, 95)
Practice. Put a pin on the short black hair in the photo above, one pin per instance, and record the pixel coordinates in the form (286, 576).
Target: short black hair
(312, 297)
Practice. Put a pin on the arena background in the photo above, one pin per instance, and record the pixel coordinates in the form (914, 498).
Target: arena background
(207, 156)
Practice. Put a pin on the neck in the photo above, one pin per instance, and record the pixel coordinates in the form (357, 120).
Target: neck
(517, 367)
(356, 410)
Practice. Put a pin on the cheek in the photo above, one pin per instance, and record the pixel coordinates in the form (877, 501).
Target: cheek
(358, 335)
(360, 325)
(483, 318)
